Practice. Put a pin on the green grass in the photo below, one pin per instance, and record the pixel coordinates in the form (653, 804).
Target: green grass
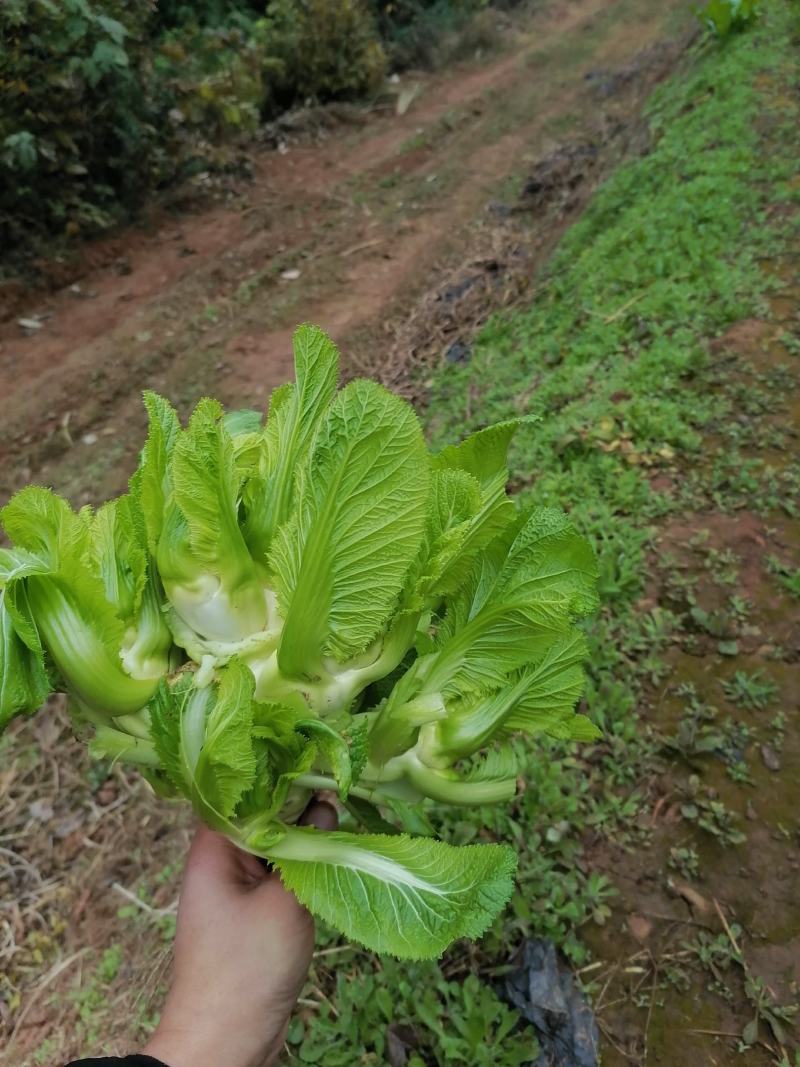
(613, 358)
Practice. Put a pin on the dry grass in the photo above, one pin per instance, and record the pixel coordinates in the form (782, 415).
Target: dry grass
(89, 865)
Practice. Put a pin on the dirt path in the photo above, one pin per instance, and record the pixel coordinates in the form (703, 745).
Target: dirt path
(205, 303)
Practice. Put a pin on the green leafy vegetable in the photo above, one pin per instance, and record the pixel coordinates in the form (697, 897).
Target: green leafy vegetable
(400, 895)
(312, 602)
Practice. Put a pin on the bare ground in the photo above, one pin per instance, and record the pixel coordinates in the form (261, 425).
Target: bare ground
(654, 1006)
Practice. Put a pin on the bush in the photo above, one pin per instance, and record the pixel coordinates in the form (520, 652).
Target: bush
(418, 33)
(103, 100)
(99, 104)
(77, 126)
(325, 48)
(172, 13)
(214, 81)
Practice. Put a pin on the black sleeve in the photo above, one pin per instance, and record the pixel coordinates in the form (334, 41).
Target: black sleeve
(118, 1061)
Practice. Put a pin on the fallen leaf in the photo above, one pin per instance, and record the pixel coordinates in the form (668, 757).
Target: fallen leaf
(640, 927)
(750, 1032)
(696, 901)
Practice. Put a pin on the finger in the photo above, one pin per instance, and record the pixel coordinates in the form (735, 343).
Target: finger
(320, 815)
(208, 852)
(217, 860)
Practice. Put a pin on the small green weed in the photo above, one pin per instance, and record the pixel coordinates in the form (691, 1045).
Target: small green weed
(739, 772)
(740, 608)
(722, 954)
(752, 691)
(700, 734)
(246, 291)
(715, 952)
(778, 727)
(784, 1060)
(723, 566)
(710, 815)
(788, 578)
(723, 17)
(686, 861)
(777, 1017)
(91, 996)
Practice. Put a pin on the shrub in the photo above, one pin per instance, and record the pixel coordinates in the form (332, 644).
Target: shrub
(103, 100)
(171, 13)
(99, 104)
(77, 125)
(214, 81)
(326, 48)
(419, 33)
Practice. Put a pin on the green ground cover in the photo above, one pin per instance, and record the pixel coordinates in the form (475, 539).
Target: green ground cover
(613, 357)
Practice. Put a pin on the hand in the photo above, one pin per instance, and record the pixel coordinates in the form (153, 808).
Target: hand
(242, 950)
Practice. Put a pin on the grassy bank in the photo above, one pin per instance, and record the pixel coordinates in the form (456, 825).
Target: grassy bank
(615, 357)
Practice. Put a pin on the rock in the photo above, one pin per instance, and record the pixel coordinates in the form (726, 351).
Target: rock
(458, 352)
(400, 1042)
(770, 758)
(29, 325)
